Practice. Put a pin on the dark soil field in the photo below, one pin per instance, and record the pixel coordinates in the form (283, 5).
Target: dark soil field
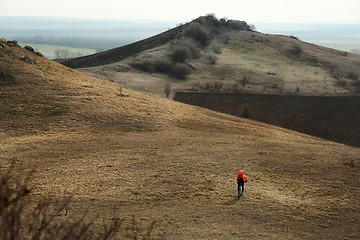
(333, 118)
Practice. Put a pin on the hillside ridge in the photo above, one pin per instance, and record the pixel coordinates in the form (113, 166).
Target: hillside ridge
(120, 53)
(208, 56)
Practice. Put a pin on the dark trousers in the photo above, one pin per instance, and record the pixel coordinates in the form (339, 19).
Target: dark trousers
(240, 182)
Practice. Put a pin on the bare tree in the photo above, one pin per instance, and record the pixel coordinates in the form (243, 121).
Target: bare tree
(245, 80)
(65, 53)
(57, 53)
(167, 89)
(252, 27)
(62, 53)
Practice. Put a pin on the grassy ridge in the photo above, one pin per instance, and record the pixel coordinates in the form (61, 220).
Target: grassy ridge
(270, 62)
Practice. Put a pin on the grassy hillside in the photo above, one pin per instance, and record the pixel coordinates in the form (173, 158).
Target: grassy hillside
(269, 64)
(208, 56)
(122, 154)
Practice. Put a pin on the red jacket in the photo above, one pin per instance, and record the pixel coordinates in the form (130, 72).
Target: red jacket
(241, 175)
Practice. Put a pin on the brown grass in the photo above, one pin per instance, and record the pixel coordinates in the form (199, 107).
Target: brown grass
(158, 160)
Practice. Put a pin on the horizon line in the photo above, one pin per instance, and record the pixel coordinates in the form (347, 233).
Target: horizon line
(179, 20)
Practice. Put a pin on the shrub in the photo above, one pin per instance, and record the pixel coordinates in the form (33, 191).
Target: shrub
(211, 58)
(209, 20)
(246, 111)
(216, 48)
(344, 54)
(218, 86)
(225, 37)
(191, 45)
(223, 21)
(162, 66)
(180, 54)
(151, 66)
(252, 27)
(271, 73)
(245, 80)
(145, 65)
(180, 70)
(167, 89)
(353, 75)
(297, 49)
(198, 33)
(294, 37)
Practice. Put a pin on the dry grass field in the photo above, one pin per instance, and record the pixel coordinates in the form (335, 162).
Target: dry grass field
(124, 154)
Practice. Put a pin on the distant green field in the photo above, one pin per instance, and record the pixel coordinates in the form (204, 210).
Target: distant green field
(49, 50)
(343, 47)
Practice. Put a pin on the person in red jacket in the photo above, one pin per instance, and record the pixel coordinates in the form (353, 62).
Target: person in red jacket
(241, 179)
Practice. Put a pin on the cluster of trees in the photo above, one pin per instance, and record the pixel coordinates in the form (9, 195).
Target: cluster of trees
(66, 53)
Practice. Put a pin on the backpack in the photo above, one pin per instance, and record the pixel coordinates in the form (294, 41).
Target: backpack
(240, 174)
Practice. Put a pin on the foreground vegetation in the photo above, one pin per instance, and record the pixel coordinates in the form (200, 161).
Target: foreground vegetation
(24, 216)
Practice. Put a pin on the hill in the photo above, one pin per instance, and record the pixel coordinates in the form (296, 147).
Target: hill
(117, 54)
(123, 153)
(211, 56)
(229, 54)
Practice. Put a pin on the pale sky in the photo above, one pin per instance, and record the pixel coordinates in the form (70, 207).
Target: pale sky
(299, 11)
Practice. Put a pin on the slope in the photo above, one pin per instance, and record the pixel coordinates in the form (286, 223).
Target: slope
(120, 53)
(124, 154)
(245, 61)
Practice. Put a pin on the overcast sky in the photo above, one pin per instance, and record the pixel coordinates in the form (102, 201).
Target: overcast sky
(252, 11)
